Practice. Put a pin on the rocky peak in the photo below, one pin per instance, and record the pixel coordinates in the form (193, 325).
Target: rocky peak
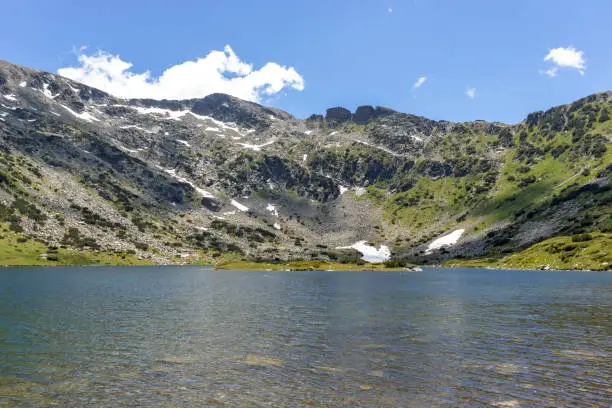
(315, 118)
(17, 79)
(338, 114)
(221, 107)
(363, 114)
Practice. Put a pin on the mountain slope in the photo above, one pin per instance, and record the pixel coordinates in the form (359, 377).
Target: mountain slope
(180, 181)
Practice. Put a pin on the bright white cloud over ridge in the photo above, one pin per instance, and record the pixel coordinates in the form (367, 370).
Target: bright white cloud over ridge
(219, 71)
(565, 58)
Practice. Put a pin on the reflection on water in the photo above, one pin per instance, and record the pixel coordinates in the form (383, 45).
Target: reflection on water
(191, 337)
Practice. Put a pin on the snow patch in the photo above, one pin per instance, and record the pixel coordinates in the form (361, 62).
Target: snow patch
(308, 132)
(256, 147)
(446, 240)
(359, 191)
(167, 113)
(129, 150)
(304, 157)
(223, 125)
(23, 84)
(4, 114)
(212, 129)
(239, 206)
(277, 226)
(10, 97)
(201, 191)
(75, 90)
(370, 253)
(384, 149)
(342, 189)
(332, 133)
(229, 212)
(136, 127)
(416, 138)
(47, 92)
(272, 209)
(186, 143)
(88, 117)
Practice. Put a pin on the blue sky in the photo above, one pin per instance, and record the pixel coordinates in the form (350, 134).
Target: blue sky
(344, 53)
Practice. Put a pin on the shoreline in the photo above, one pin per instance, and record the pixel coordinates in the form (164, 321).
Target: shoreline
(252, 266)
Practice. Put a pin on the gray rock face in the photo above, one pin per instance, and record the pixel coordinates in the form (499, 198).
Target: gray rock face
(381, 111)
(315, 118)
(363, 114)
(221, 107)
(338, 114)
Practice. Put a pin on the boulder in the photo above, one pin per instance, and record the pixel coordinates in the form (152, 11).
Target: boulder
(211, 204)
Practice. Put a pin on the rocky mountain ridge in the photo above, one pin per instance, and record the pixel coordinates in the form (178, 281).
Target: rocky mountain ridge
(177, 181)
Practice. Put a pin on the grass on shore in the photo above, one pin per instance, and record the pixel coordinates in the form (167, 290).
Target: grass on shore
(582, 252)
(301, 266)
(18, 250)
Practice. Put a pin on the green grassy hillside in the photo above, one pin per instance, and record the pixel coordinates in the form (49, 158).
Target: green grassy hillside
(582, 252)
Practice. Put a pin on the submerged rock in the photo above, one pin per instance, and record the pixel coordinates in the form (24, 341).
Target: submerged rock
(263, 361)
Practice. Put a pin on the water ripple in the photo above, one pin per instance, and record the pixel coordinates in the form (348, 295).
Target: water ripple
(161, 337)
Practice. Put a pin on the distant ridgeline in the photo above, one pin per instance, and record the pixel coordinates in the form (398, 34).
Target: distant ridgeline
(89, 178)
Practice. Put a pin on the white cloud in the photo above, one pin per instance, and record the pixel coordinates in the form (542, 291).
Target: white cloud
(565, 58)
(552, 72)
(219, 71)
(419, 82)
(471, 92)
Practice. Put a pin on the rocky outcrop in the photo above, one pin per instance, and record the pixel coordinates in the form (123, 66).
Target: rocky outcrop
(212, 204)
(363, 114)
(381, 112)
(315, 118)
(338, 114)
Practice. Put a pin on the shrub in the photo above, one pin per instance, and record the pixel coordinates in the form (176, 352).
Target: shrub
(527, 180)
(73, 237)
(15, 227)
(523, 169)
(582, 237)
(141, 245)
(396, 263)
